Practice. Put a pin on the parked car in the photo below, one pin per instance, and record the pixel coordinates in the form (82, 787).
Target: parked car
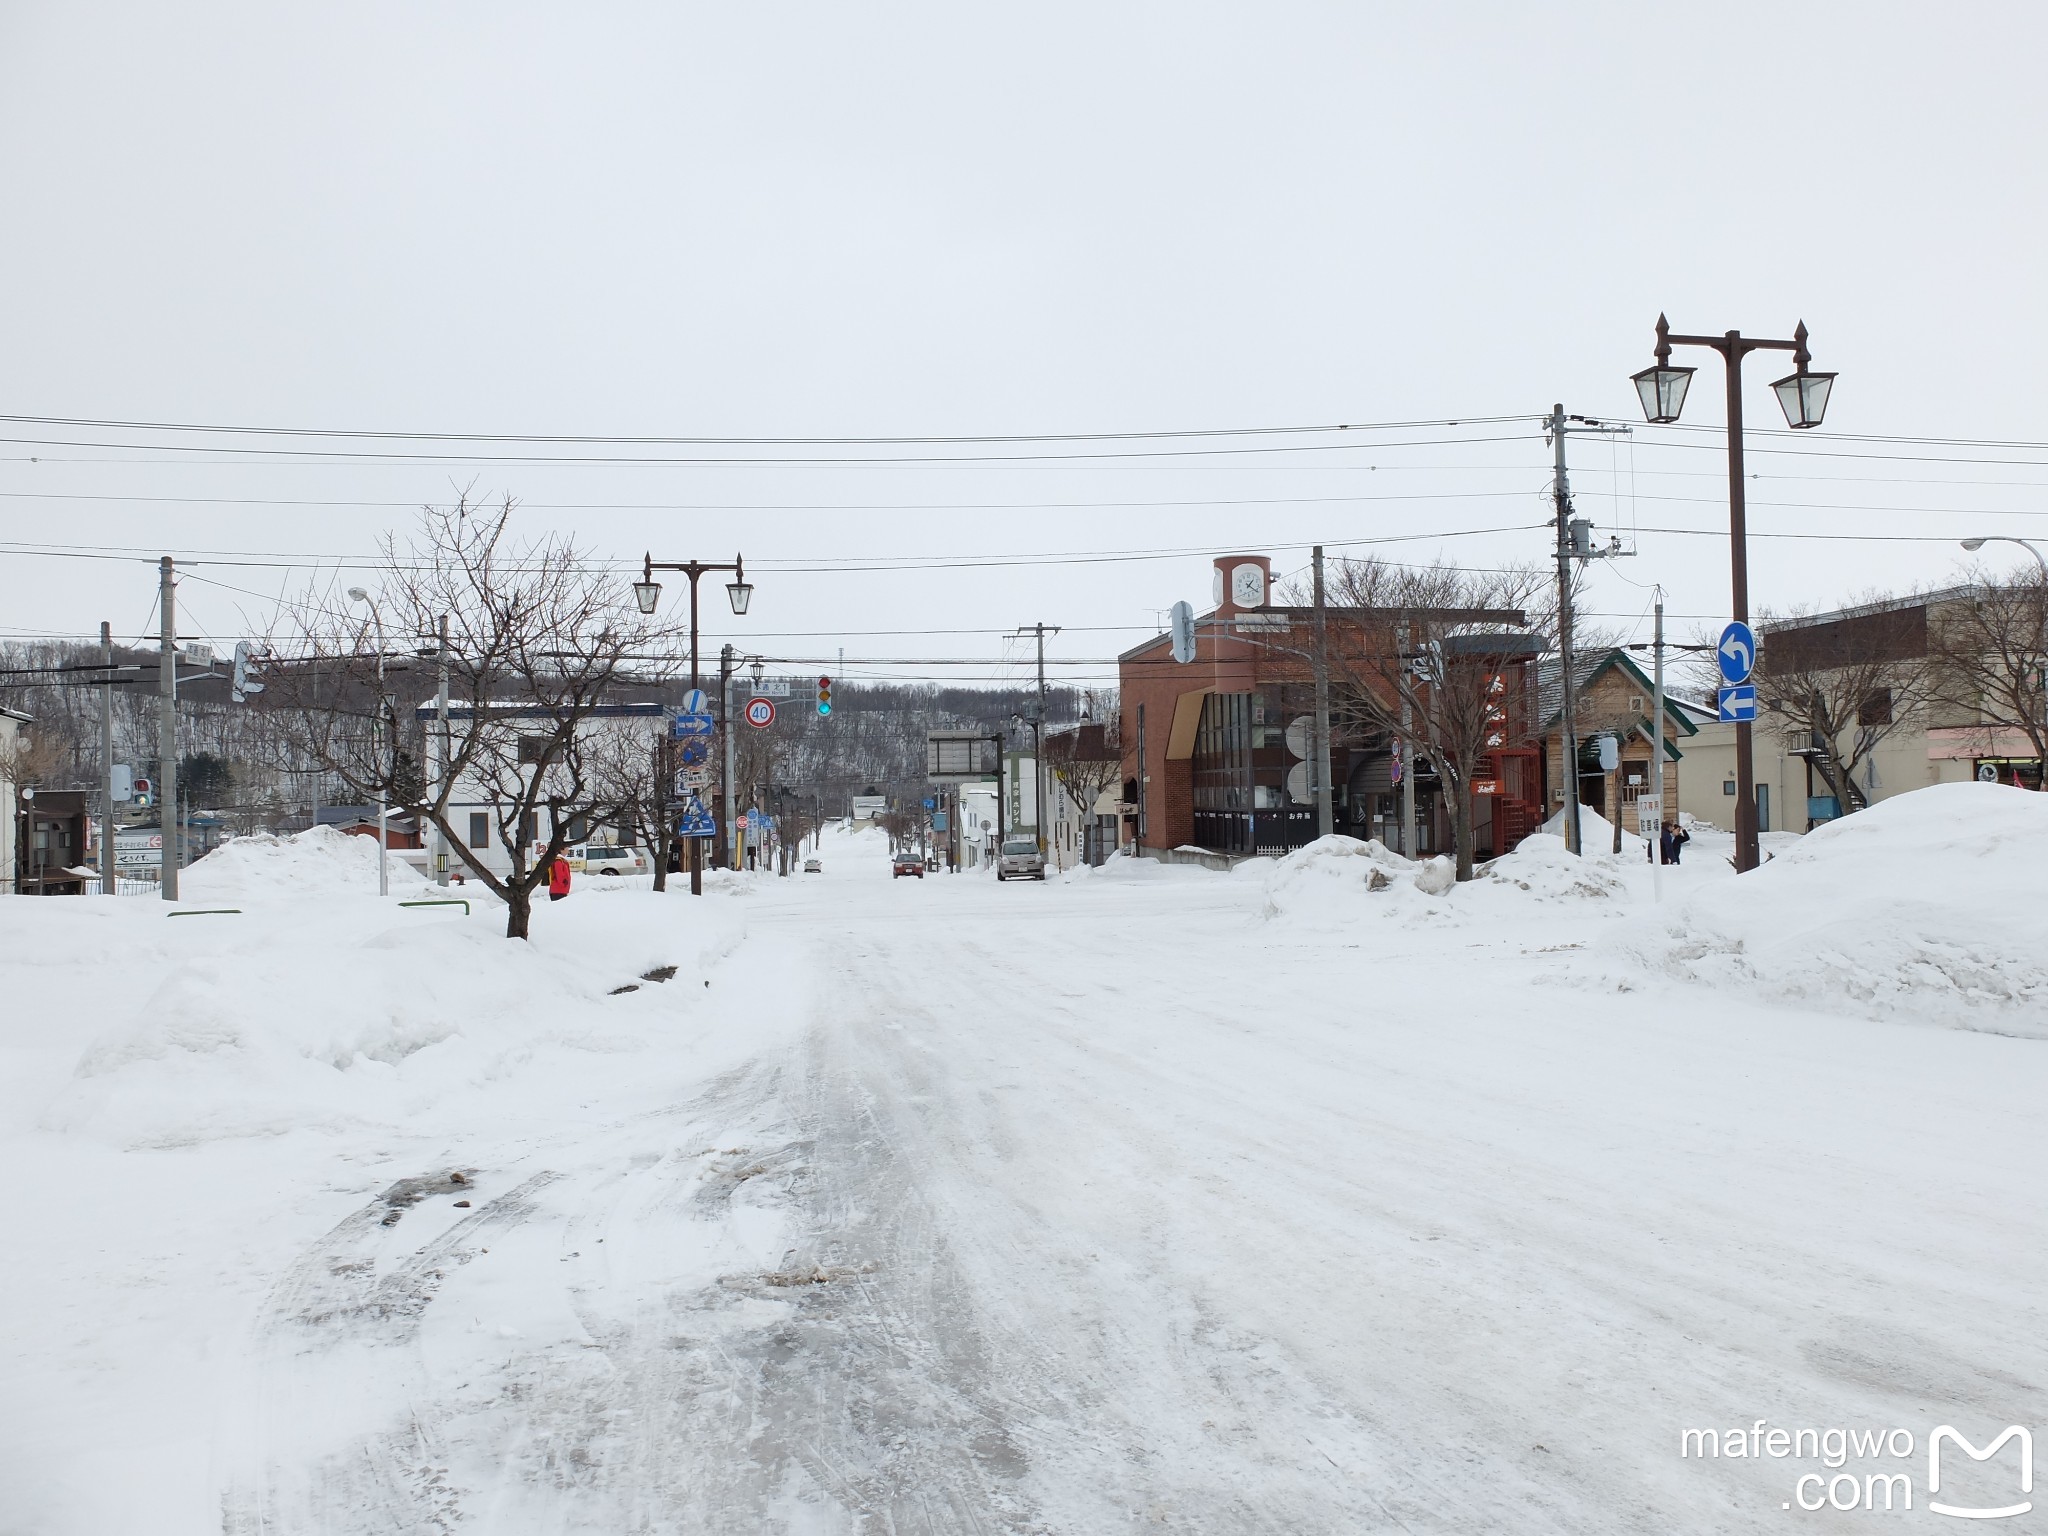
(1020, 860)
(606, 859)
(908, 862)
(814, 866)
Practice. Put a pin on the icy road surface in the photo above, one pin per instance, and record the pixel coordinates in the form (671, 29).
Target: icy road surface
(949, 1207)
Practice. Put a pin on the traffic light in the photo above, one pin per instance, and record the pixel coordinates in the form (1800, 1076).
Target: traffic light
(824, 695)
(145, 792)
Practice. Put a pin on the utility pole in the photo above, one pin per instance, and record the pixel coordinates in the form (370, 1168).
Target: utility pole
(1574, 545)
(442, 853)
(167, 726)
(1657, 753)
(1040, 631)
(1408, 848)
(1568, 757)
(108, 875)
(1326, 820)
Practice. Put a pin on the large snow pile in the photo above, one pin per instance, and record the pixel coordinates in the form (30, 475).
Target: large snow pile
(317, 862)
(1546, 870)
(327, 1014)
(1596, 832)
(1346, 878)
(1925, 907)
(1333, 869)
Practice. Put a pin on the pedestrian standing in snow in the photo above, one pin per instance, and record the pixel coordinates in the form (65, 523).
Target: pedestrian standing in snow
(558, 878)
(1679, 838)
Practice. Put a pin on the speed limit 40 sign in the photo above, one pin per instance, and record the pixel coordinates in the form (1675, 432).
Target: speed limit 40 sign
(760, 712)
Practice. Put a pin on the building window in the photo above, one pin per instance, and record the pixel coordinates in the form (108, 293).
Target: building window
(1877, 709)
(529, 829)
(479, 830)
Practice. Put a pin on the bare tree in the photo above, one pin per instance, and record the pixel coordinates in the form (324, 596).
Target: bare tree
(1440, 641)
(1845, 684)
(1087, 760)
(1988, 661)
(540, 643)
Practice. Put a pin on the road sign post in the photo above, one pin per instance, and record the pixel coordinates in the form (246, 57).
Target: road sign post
(760, 712)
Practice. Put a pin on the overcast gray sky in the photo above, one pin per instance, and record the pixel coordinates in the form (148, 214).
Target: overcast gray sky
(809, 219)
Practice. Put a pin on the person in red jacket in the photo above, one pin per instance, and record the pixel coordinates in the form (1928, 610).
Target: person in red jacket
(558, 878)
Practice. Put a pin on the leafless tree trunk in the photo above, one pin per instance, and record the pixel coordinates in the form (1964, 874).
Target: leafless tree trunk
(1988, 660)
(540, 643)
(1465, 632)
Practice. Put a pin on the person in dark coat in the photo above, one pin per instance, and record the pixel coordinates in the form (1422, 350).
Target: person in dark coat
(1676, 837)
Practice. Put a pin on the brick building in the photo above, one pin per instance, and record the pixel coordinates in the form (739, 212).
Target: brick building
(1216, 749)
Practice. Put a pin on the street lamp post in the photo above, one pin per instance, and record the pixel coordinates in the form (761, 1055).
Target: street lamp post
(740, 592)
(384, 713)
(1804, 396)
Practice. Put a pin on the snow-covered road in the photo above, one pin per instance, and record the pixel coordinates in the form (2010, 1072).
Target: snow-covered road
(1142, 1202)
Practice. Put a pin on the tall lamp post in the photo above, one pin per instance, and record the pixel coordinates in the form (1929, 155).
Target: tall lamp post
(384, 713)
(1804, 396)
(647, 593)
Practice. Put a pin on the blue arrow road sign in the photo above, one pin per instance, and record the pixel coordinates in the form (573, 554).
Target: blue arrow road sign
(931, 804)
(696, 820)
(1739, 702)
(1736, 653)
(690, 724)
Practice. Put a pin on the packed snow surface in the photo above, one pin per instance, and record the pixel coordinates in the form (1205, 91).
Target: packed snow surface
(1314, 1196)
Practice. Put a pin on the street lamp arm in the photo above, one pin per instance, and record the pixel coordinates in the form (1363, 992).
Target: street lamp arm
(1741, 345)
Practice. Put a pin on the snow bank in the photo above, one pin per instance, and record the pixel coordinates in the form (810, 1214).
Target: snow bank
(332, 1013)
(1924, 907)
(1597, 832)
(1543, 867)
(1342, 876)
(317, 862)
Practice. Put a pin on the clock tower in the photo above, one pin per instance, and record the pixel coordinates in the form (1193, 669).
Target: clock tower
(1240, 582)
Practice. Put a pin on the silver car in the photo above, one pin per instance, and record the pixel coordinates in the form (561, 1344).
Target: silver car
(1020, 860)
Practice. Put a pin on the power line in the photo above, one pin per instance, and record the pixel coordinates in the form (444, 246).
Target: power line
(344, 455)
(588, 439)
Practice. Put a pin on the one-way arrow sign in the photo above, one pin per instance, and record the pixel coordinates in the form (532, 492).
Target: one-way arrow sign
(1736, 653)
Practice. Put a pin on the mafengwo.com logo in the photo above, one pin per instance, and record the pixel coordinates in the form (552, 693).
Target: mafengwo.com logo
(1872, 1469)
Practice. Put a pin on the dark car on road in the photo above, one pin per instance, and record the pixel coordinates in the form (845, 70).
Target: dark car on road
(909, 862)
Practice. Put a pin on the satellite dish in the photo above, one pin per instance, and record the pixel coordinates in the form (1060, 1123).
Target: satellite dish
(1183, 632)
(1301, 788)
(1299, 734)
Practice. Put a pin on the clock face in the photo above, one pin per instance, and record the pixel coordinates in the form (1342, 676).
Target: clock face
(1216, 587)
(1248, 586)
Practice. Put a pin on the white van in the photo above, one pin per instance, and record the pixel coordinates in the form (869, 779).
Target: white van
(606, 859)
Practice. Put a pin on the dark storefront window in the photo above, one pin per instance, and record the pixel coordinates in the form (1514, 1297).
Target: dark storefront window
(1241, 766)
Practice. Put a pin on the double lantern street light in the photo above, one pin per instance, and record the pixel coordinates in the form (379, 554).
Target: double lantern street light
(647, 593)
(1803, 394)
